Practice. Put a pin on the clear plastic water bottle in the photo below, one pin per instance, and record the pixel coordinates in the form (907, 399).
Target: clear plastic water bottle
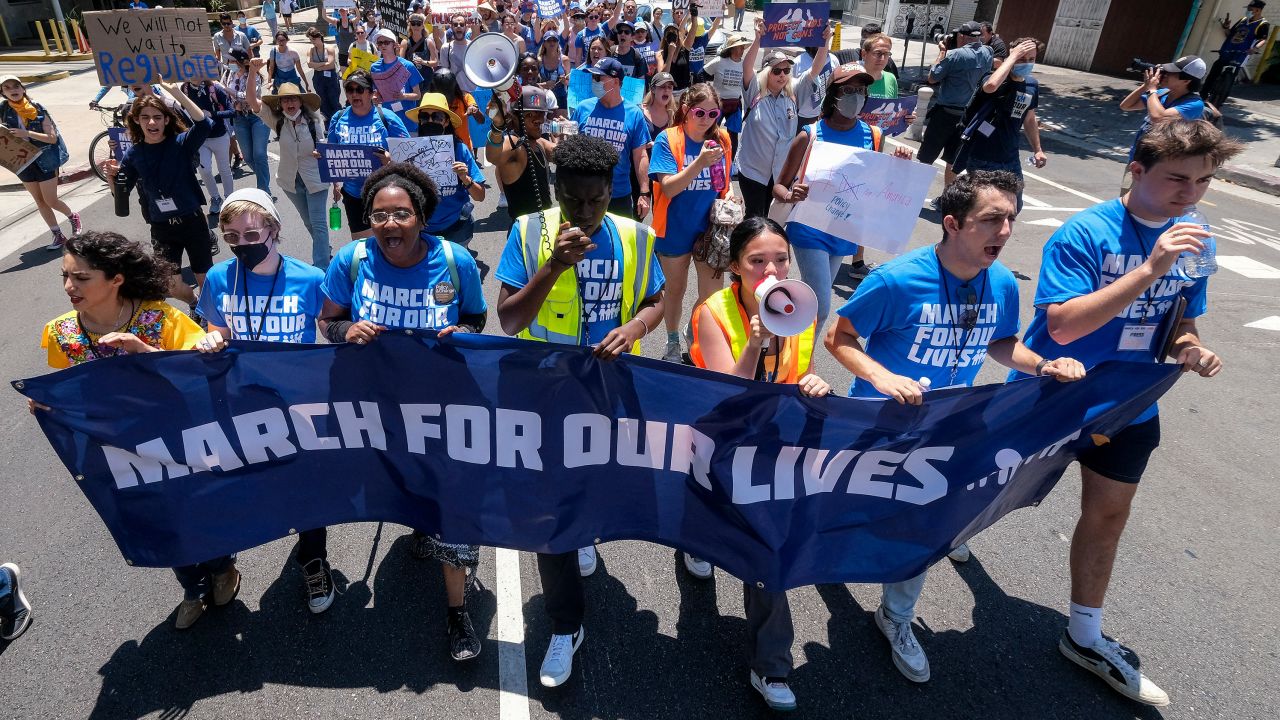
(717, 170)
(1206, 263)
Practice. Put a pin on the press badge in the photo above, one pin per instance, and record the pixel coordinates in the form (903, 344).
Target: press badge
(986, 128)
(166, 205)
(1137, 336)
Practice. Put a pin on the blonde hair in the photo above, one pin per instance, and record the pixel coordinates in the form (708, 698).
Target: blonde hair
(237, 208)
(672, 103)
(762, 84)
(871, 41)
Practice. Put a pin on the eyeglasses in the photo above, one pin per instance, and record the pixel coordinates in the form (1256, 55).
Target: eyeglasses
(355, 89)
(593, 17)
(400, 216)
(879, 53)
(700, 113)
(844, 90)
(780, 71)
(250, 237)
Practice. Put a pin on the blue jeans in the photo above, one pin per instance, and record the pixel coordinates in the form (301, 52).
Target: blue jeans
(197, 580)
(899, 599)
(313, 206)
(253, 134)
(6, 594)
(818, 269)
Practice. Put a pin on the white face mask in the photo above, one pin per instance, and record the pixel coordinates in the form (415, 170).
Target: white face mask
(293, 115)
(598, 89)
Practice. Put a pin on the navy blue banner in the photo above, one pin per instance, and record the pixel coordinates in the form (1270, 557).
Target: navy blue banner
(539, 447)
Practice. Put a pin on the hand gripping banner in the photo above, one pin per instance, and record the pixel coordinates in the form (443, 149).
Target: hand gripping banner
(503, 442)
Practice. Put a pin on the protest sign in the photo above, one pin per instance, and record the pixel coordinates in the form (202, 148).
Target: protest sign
(339, 4)
(432, 155)
(710, 9)
(138, 47)
(15, 153)
(863, 196)
(450, 7)
(580, 89)
(395, 17)
(680, 5)
(551, 8)
(346, 162)
(888, 114)
(358, 60)
(542, 447)
(795, 24)
(120, 142)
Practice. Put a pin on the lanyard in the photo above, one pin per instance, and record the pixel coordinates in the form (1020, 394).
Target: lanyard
(1146, 292)
(248, 313)
(970, 318)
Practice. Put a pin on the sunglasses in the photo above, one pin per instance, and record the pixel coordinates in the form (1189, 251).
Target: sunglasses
(625, 32)
(593, 17)
(226, 23)
(458, 26)
(355, 89)
(415, 22)
(845, 90)
(380, 43)
(700, 113)
(250, 237)
(435, 116)
(780, 71)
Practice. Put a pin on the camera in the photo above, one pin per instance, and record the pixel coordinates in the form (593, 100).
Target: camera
(952, 39)
(1141, 66)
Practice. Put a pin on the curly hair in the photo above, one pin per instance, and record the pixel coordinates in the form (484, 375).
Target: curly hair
(176, 124)
(584, 156)
(146, 276)
(421, 189)
(958, 199)
(696, 93)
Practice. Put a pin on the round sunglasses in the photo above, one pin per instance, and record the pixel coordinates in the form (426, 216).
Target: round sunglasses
(700, 113)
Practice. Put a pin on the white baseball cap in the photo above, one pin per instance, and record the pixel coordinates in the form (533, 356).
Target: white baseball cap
(1189, 64)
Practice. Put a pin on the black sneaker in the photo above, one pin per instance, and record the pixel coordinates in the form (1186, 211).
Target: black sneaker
(1117, 665)
(320, 590)
(463, 642)
(12, 626)
(421, 546)
(859, 270)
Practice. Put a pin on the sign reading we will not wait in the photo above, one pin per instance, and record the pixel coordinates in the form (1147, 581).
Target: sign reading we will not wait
(139, 47)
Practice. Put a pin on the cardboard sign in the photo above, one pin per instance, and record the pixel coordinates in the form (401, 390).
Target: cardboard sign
(450, 7)
(710, 9)
(888, 114)
(432, 155)
(346, 162)
(863, 196)
(680, 5)
(15, 153)
(395, 17)
(795, 24)
(138, 47)
(339, 4)
(550, 8)
(120, 142)
(358, 60)
(580, 89)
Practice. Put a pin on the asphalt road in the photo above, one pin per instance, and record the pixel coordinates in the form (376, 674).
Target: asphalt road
(1193, 589)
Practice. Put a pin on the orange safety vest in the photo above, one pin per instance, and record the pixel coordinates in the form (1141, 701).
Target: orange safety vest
(675, 136)
(793, 359)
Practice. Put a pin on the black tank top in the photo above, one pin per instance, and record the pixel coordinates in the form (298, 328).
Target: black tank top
(530, 192)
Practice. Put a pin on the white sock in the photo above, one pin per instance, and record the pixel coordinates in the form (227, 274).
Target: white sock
(1085, 625)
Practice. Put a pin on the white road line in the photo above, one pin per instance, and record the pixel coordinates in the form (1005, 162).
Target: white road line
(1062, 187)
(1266, 323)
(1047, 222)
(513, 684)
(1028, 200)
(1248, 267)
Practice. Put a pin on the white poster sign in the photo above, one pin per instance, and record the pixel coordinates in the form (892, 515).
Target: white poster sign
(865, 197)
(432, 155)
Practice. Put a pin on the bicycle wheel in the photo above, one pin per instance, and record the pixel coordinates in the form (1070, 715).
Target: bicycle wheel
(1222, 86)
(100, 151)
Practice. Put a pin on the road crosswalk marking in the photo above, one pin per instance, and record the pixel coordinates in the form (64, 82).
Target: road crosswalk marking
(1248, 267)
(1266, 323)
(1047, 222)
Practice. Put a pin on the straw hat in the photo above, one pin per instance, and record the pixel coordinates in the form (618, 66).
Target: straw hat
(733, 41)
(434, 101)
(310, 100)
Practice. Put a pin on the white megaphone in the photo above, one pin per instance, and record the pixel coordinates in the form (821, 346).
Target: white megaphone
(787, 307)
(491, 62)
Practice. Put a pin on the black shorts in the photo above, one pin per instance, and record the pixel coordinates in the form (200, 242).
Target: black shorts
(1124, 459)
(33, 173)
(189, 233)
(941, 134)
(356, 221)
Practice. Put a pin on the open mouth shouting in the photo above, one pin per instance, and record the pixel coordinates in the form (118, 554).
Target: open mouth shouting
(992, 251)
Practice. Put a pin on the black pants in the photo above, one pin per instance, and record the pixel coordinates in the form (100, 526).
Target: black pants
(562, 591)
(755, 196)
(622, 206)
(313, 545)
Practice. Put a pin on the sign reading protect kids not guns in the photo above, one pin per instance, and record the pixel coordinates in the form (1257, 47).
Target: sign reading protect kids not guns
(139, 47)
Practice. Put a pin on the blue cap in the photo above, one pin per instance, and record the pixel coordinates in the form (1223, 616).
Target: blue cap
(608, 67)
(550, 35)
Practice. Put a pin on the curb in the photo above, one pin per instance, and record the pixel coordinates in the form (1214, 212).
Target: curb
(41, 57)
(1252, 176)
(64, 178)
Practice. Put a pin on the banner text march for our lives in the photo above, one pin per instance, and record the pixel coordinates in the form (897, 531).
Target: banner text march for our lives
(140, 47)
(346, 162)
(542, 447)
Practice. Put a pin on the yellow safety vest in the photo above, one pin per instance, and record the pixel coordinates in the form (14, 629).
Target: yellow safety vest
(731, 319)
(559, 320)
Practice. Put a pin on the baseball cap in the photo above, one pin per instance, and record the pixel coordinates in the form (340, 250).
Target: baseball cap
(662, 78)
(624, 22)
(1256, 4)
(971, 28)
(850, 71)
(535, 99)
(777, 57)
(240, 55)
(1189, 64)
(551, 35)
(608, 67)
(384, 33)
(6, 78)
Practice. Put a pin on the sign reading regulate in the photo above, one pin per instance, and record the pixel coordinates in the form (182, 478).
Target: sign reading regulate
(139, 47)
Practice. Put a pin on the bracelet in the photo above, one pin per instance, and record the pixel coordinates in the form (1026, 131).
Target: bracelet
(647, 329)
(1040, 366)
(336, 332)
(565, 263)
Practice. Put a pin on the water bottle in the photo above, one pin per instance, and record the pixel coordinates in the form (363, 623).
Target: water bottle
(717, 170)
(121, 193)
(925, 384)
(1206, 263)
(335, 217)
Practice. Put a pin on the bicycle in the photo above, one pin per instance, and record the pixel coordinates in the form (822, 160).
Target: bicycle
(102, 146)
(1226, 80)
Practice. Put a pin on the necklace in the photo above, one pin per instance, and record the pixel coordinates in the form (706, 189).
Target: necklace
(120, 327)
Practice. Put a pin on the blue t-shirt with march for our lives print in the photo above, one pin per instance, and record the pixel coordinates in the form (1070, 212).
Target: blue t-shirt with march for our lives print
(804, 236)
(278, 307)
(689, 211)
(1092, 250)
(623, 126)
(373, 129)
(600, 277)
(422, 297)
(911, 313)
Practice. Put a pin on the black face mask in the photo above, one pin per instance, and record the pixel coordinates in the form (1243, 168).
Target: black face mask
(430, 129)
(251, 256)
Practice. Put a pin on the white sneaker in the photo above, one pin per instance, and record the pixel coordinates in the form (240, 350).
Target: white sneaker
(961, 554)
(673, 353)
(908, 656)
(1110, 661)
(775, 691)
(586, 560)
(502, 200)
(698, 567)
(557, 665)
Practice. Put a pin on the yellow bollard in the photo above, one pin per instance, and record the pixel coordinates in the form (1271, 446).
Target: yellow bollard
(57, 37)
(44, 42)
(5, 29)
(835, 38)
(66, 38)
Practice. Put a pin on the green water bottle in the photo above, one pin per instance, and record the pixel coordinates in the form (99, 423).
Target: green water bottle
(335, 217)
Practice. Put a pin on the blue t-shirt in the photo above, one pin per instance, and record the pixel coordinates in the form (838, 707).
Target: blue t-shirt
(599, 278)
(281, 307)
(914, 323)
(585, 36)
(254, 36)
(372, 129)
(421, 297)
(623, 126)
(452, 203)
(806, 237)
(1093, 249)
(689, 212)
(698, 53)
(394, 79)
(1189, 106)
